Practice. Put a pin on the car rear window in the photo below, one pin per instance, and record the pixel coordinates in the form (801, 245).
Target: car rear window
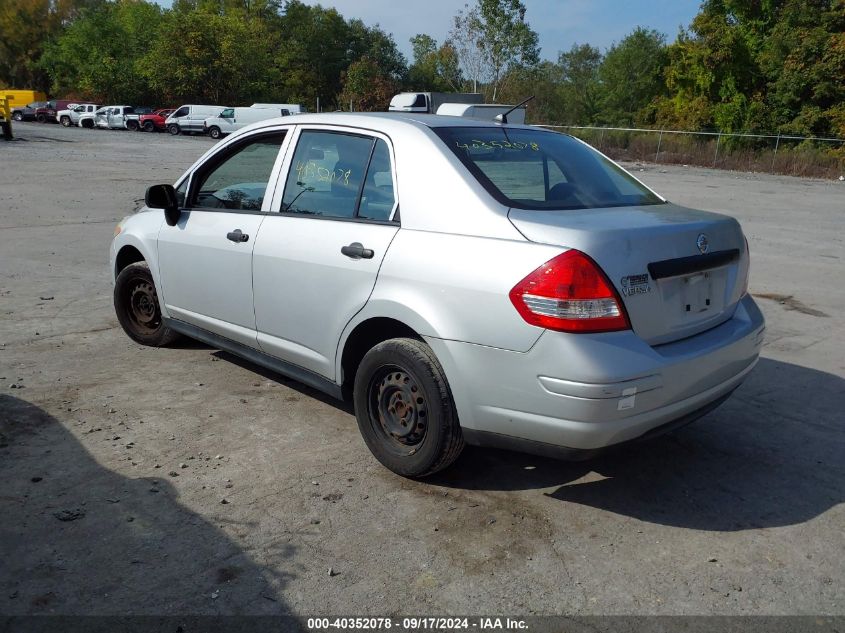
(539, 169)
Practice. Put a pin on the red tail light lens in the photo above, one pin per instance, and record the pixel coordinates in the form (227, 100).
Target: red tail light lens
(570, 293)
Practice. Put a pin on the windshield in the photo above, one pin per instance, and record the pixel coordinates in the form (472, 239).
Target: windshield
(538, 169)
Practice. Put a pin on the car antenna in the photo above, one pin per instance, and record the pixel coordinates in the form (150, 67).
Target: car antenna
(503, 118)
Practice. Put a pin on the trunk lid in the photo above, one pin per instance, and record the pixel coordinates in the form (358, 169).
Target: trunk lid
(653, 256)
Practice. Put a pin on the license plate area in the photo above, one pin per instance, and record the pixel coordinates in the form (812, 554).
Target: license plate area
(696, 293)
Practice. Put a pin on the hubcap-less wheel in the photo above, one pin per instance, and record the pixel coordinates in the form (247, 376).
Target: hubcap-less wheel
(404, 408)
(137, 308)
(398, 403)
(148, 126)
(142, 305)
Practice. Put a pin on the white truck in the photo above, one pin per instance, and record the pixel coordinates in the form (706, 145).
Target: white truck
(72, 116)
(484, 111)
(108, 117)
(233, 119)
(429, 102)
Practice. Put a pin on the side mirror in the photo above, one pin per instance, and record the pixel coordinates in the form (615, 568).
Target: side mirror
(164, 197)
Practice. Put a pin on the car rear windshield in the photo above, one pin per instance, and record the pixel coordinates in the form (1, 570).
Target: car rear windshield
(539, 169)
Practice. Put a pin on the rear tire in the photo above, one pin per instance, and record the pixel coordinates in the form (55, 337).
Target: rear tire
(132, 126)
(405, 409)
(65, 121)
(137, 307)
(87, 123)
(174, 129)
(41, 118)
(17, 116)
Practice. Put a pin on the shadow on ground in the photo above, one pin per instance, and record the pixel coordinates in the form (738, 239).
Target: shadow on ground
(77, 538)
(772, 455)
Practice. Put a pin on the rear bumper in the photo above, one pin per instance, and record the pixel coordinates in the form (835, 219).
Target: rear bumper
(587, 392)
(507, 442)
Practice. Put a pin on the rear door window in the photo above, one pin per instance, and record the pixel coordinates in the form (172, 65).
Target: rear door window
(327, 174)
(377, 197)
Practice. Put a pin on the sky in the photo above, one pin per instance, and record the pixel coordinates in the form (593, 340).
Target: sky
(559, 23)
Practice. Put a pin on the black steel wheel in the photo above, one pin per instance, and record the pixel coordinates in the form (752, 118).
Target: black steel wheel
(137, 307)
(405, 410)
(149, 126)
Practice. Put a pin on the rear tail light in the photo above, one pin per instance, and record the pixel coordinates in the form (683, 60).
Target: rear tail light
(570, 293)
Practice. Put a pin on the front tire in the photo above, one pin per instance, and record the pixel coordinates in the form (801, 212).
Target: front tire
(41, 118)
(149, 126)
(137, 307)
(405, 410)
(214, 132)
(174, 129)
(65, 121)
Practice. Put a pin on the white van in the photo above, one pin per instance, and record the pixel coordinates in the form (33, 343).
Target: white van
(189, 118)
(483, 111)
(233, 119)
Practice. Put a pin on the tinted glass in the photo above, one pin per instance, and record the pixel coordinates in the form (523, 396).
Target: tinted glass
(181, 112)
(377, 197)
(326, 174)
(240, 181)
(535, 169)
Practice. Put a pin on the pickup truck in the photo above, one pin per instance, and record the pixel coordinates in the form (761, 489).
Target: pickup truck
(72, 116)
(112, 117)
(155, 120)
(27, 112)
(49, 112)
(133, 121)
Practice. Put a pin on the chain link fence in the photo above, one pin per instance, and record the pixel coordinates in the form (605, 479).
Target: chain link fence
(777, 154)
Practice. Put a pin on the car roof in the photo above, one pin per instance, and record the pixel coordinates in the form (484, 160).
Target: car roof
(386, 121)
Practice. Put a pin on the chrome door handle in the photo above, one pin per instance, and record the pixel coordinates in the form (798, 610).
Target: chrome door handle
(356, 250)
(237, 236)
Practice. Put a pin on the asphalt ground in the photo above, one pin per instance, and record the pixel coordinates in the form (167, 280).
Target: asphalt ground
(184, 480)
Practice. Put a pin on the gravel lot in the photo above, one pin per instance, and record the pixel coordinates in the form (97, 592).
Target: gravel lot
(183, 480)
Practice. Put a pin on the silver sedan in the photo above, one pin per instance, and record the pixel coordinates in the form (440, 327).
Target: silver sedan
(461, 281)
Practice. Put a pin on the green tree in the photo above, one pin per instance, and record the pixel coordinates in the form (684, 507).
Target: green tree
(579, 87)
(203, 55)
(317, 45)
(631, 76)
(759, 66)
(434, 68)
(26, 26)
(495, 40)
(367, 87)
(97, 56)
